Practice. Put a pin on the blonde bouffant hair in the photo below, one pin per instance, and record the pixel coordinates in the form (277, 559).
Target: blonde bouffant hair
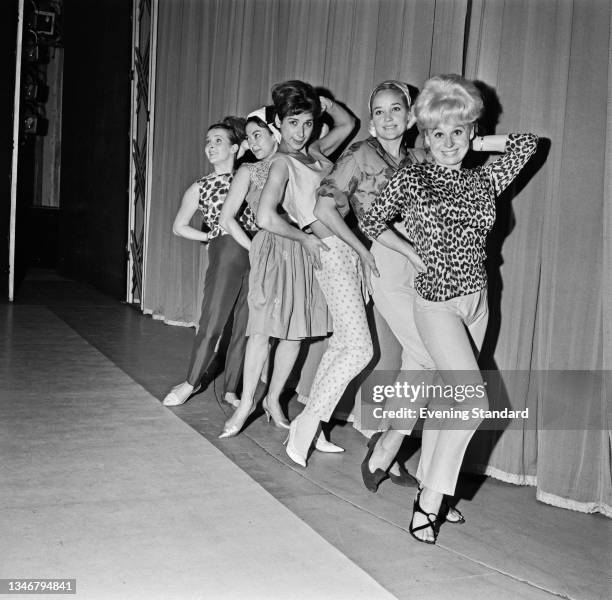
(447, 98)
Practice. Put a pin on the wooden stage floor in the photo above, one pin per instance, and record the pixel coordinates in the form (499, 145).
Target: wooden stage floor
(102, 483)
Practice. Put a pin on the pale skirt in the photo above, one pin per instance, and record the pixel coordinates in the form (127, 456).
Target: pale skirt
(285, 300)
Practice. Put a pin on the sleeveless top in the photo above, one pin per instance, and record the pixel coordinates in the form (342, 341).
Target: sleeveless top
(212, 191)
(300, 194)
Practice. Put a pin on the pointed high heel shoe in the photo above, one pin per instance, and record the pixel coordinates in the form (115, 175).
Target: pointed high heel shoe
(234, 430)
(371, 479)
(281, 422)
(324, 445)
(290, 449)
(432, 522)
(404, 478)
(173, 399)
(232, 400)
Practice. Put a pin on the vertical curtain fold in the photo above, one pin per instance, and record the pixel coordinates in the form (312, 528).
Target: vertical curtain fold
(221, 57)
(545, 62)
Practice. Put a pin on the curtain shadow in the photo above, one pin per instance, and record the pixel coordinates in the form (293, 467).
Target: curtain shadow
(487, 436)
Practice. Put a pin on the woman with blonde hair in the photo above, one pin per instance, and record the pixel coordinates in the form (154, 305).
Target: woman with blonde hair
(448, 212)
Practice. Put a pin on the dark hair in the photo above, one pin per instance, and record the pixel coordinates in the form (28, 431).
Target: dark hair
(259, 122)
(235, 127)
(295, 97)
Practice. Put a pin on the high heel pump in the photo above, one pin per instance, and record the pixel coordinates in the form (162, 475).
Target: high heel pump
(290, 449)
(281, 422)
(324, 445)
(371, 479)
(234, 430)
(404, 478)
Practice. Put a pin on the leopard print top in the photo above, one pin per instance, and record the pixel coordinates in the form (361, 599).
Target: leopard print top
(448, 215)
(213, 189)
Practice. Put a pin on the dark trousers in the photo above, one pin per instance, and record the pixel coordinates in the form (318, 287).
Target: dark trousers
(225, 292)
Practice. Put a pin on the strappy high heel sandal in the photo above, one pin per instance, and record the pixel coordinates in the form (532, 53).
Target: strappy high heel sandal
(432, 522)
(446, 510)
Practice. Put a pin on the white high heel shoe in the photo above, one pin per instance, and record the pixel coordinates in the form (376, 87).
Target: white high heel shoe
(324, 445)
(234, 430)
(290, 449)
(281, 423)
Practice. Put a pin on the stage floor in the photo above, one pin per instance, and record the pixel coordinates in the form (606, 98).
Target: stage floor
(103, 484)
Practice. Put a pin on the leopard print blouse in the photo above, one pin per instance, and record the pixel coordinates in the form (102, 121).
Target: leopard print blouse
(213, 189)
(448, 215)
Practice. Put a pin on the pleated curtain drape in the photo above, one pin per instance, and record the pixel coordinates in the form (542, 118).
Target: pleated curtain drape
(549, 63)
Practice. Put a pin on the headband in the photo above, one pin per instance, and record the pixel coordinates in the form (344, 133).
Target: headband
(266, 114)
(400, 86)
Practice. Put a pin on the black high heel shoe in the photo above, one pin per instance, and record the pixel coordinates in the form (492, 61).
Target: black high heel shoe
(432, 522)
(404, 478)
(445, 511)
(371, 480)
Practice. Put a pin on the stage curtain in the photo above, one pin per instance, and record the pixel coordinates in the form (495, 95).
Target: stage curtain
(550, 259)
(549, 63)
(219, 57)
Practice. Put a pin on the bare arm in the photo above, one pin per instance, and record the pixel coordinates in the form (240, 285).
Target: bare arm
(343, 125)
(189, 206)
(489, 143)
(233, 201)
(269, 219)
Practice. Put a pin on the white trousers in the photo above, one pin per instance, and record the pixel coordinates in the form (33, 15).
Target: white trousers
(350, 347)
(452, 331)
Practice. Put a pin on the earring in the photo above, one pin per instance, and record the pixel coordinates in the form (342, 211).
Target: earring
(372, 130)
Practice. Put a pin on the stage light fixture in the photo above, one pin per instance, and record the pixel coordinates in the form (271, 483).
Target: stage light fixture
(35, 125)
(45, 23)
(36, 92)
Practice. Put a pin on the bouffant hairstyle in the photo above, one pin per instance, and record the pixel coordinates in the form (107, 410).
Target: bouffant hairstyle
(295, 97)
(447, 98)
(235, 127)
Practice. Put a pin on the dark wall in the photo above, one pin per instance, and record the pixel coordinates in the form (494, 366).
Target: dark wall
(8, 40)
(95, 142)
